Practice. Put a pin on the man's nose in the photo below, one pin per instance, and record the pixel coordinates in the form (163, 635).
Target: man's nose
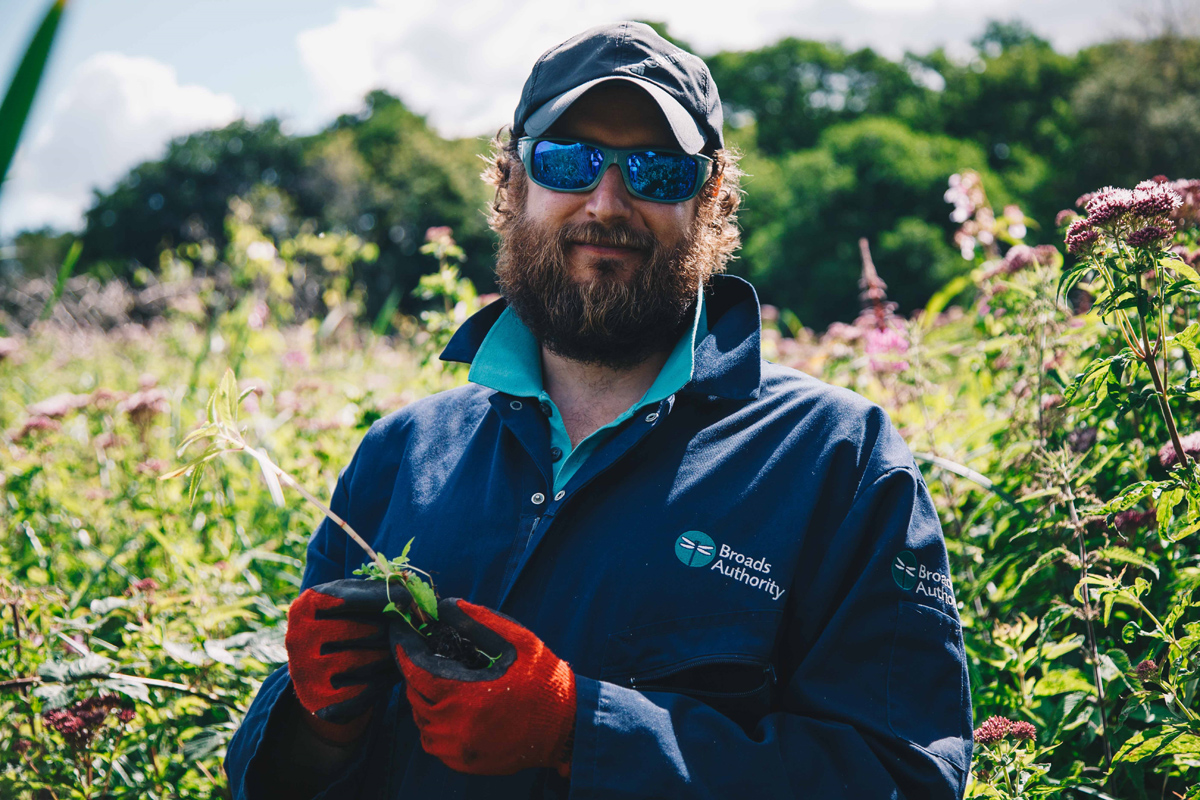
(610, 201)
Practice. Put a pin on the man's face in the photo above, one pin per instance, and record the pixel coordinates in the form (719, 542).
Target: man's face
(603, 277)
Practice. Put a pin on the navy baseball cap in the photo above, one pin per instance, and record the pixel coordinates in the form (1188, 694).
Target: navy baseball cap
(627, 51)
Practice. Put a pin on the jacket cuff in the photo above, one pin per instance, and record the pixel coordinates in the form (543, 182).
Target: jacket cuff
(583, 753)
(265, 728)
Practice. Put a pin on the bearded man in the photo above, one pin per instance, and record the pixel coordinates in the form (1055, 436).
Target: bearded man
(694, 573)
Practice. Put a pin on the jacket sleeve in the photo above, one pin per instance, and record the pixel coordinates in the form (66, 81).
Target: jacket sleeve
(874, 700)
(261, 726)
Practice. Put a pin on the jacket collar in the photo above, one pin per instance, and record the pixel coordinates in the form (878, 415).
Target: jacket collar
(727, 360)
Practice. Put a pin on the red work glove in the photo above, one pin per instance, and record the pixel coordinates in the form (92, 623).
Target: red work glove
(516, 714)
(338, 657)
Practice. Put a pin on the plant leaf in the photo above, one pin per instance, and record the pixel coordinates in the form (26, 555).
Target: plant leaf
(14, 110)
(228, 391)
(194, 485)
(269, 475)
(421, 593)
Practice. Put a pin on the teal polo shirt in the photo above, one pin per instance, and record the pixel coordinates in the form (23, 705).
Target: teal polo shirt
(510, 361)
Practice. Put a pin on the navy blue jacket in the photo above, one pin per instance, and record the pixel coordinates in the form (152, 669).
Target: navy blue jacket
(750, 584)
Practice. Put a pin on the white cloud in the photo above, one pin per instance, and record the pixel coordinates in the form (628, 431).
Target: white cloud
(115, 112)
(463, 62)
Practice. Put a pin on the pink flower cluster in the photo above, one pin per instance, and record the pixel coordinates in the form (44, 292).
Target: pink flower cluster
(1081, 236)
(980, 226)
(1134, 520)
(1146, 670)
(1191, 445)
(1142, 215)
(994, 729)
(884, 346)
(142, 586)
(80, 723)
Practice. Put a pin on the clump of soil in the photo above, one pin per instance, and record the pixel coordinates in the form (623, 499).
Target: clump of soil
(445, 641)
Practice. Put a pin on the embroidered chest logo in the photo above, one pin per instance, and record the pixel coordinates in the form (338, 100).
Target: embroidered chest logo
(697, 549)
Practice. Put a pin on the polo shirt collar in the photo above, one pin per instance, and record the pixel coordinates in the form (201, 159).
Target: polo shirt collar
(725, 356)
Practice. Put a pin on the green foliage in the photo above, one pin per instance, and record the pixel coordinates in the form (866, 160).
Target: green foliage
(1137, 104)
(18, 99)
(875, 178)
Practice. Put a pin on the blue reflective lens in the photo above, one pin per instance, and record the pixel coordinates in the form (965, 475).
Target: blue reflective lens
(566, 166)
(663, 176)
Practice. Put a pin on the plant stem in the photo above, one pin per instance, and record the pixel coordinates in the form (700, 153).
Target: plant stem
(341, 523)
(1151, 362)
(1087, 618)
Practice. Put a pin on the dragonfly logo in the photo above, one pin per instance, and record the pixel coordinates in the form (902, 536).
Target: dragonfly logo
(695, 548)
(904, 570)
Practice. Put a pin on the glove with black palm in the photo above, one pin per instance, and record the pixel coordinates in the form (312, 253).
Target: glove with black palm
(338, 654)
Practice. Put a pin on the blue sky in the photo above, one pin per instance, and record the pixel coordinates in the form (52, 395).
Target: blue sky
(128, 75)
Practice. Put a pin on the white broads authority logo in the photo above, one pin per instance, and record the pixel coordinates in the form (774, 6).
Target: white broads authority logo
(911, 576)
(697, 549)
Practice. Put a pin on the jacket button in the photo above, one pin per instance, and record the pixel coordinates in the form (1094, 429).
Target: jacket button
(515, 405)
(560, 495)
(653, 415)
(555, 453)
(538, 499)
(549, 412)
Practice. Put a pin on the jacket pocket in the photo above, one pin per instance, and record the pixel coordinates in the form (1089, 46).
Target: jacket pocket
(721, 660)
(741, 690)
(927, 691)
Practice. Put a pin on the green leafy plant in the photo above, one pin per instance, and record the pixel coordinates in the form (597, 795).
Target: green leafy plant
(223, 436)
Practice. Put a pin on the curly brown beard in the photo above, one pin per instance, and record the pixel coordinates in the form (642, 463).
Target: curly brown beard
(608, 322)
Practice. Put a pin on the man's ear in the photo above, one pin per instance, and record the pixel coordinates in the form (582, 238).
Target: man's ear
(717, 186)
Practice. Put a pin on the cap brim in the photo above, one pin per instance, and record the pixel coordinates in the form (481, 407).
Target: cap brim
(687, 132)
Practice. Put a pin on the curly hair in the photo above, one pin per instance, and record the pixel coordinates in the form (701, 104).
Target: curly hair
(716, 213)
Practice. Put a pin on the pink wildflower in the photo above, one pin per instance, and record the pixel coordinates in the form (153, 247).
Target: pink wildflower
(152, 466)
(142, 407)
(1191, 445)
(8, 347)
(295, 359)
(1065, 216)
(993, 730)
(439, 233)
(1023, 732)
(142, 586)
(35, 424)
(1146, 670)
(59, 405)
(1150, 235)
(1051, 401)
(1109, 206)
(1081, 237)
(1152, 199)
(1133, 520)
(883, 346)
(841, 332)
(80, 723)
